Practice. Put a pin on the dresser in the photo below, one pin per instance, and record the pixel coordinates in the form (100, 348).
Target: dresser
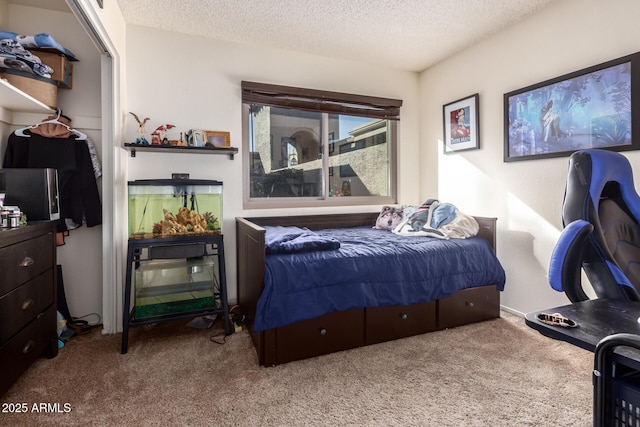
(27, 298)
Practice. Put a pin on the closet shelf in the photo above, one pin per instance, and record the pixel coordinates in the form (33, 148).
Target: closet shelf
(13, 99)
(132, 147)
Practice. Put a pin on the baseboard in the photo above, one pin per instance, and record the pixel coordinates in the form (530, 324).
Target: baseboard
(512, 311)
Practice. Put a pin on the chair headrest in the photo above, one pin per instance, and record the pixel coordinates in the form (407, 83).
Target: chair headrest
(608, 166)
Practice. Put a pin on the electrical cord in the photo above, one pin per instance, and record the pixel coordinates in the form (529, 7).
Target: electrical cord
(218, 338)
(221, 338)
(81, 326)
(237, 317)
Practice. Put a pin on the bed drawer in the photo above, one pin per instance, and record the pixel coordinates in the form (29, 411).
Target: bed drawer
(469, 306)
(332, 332)
(389, 323)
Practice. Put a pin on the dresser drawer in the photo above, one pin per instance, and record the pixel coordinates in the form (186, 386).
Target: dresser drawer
(23, 304)
(332, 332)
(388, 323)
(25, 260)
(20, 351)
(469, 306)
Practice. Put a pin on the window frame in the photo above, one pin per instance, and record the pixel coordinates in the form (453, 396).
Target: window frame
(327, 103)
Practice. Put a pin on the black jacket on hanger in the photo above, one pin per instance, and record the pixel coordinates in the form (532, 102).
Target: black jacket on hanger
(77, 186)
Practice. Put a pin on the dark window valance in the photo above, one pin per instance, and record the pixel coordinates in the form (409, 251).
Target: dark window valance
(320, 101)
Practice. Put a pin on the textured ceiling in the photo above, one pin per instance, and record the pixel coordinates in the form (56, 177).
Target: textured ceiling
(405, 34)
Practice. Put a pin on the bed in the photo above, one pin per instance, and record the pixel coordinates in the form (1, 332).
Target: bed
(337, 307)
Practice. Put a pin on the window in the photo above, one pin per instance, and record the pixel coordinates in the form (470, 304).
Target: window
(315, 148)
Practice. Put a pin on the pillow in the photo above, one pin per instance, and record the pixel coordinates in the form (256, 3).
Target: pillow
(389, 218)
(442, 220)
(277, 234)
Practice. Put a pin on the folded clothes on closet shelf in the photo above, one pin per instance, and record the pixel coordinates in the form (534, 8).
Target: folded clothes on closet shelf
(38, 41)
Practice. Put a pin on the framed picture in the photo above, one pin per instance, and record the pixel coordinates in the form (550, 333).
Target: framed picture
(592, 108)
(461, 124)
(217, 138)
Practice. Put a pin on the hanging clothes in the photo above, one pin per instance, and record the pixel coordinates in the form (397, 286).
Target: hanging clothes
(77, 186)
(62, 130)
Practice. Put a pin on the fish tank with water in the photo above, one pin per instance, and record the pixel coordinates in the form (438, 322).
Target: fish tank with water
(167, 287)
(161, 208)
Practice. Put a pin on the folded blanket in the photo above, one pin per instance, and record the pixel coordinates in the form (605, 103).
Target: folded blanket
(282, 240)
(15, 56)
(41, 41)
(15, 64)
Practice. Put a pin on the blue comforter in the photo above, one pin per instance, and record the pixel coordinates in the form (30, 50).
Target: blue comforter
(371, 268)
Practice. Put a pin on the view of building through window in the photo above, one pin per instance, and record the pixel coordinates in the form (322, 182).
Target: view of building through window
(305, 154)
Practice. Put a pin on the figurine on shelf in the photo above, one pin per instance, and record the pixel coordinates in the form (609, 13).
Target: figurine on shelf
(141, 139)
(155, 138)
(162, 130)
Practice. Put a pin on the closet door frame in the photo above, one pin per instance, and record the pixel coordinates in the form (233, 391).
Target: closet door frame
(113, 207)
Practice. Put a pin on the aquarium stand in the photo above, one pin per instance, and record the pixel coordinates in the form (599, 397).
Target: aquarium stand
(174, 278)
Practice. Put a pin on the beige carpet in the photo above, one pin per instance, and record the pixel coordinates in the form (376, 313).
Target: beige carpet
(495, 373)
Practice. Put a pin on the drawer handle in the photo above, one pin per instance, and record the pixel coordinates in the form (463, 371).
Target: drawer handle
(26, 262)
(404, 316)
(468, 304)
(28, 346)
(27, 304)
(323, 331)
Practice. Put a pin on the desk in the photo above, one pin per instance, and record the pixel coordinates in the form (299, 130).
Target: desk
(596, 320)
(615, 374)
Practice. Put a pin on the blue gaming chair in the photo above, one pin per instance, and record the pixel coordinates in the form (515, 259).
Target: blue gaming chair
(601, 235)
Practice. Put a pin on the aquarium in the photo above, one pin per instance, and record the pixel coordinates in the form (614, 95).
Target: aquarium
(160, 208)
(164, 287)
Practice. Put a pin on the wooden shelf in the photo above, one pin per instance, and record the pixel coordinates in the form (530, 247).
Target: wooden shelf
(13, 99)
(132, 147)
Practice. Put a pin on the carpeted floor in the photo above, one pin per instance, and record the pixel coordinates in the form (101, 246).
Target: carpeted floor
(495, 373)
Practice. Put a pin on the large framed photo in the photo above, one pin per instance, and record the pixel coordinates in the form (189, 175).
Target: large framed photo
(592, 108)
(461, 124)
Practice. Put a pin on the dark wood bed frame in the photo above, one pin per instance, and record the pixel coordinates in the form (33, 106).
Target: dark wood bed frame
(351, 328)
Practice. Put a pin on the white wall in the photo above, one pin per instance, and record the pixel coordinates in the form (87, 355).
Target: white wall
(526, 196)
(194, 83)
